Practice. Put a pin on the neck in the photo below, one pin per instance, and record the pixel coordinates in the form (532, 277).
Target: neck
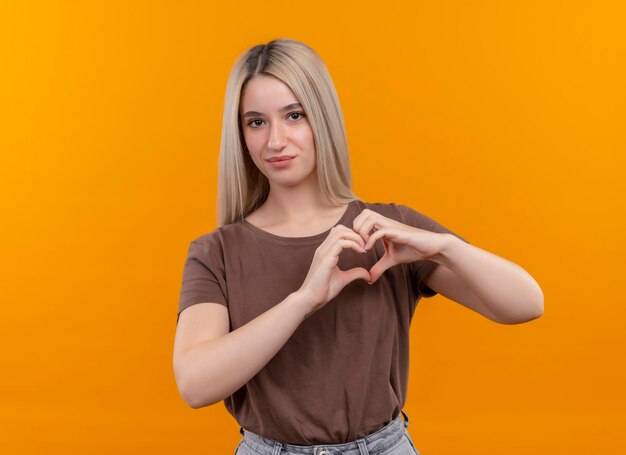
(293, 204)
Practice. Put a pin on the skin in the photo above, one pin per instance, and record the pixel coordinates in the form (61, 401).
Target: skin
(211, 362)
(294, 207)
(294, 204)
(475, 278)
(488, 284)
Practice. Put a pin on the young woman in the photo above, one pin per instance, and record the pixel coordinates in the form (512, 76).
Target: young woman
(296, 310)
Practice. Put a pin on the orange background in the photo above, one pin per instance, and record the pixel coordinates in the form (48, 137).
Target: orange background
(504, 121)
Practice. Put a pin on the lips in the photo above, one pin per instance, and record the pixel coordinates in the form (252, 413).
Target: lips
(280, 158)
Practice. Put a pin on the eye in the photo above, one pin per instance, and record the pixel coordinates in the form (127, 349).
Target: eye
(252, 123)
(299, 114)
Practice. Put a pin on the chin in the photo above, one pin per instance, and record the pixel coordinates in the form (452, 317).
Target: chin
(286, 182)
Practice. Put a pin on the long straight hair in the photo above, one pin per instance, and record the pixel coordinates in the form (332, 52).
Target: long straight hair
(242, 188)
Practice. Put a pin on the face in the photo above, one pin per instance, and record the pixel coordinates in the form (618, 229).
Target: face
(275, 126)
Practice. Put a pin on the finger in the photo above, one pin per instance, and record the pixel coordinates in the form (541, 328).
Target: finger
(374, 237)
(360, 219)
(340, 232)
(334, 249)
(341, 244)
(388, 232)
(367, 221)
(367, 226)
(347, 233)
(379, 268)
(348, 276)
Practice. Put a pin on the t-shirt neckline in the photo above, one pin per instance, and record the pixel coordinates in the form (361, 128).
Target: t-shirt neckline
(311, 239)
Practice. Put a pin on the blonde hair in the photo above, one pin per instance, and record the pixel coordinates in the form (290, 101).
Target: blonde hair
(242, 188)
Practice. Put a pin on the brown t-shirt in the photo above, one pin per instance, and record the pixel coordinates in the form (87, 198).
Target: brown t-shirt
(343, 374)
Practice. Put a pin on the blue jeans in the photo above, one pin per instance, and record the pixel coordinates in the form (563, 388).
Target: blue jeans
(392, 439)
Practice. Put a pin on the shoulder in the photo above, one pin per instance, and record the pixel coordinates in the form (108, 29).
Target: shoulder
(203, 241)
(405, 215)
(217, 236)
(215, 241)
(398, 212)
(207, 244)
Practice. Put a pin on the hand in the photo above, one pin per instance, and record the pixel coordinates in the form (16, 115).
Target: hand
(403, 244)
(325, 279)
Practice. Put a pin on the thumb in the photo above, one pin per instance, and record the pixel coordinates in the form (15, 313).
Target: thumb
(347, 276)
(379, 268)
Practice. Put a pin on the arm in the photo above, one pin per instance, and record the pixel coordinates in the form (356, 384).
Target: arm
(209, 371)
(211, 363)
(488, 284)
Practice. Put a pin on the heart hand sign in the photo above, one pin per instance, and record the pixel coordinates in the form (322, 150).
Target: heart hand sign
(403, 244)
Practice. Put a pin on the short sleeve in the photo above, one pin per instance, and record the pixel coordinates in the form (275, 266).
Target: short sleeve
(203, 278)
(420, 270)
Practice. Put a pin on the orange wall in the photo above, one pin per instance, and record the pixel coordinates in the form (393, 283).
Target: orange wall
(504, 121)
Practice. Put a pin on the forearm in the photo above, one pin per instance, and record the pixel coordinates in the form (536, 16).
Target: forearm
(217, 368)
(504, 287)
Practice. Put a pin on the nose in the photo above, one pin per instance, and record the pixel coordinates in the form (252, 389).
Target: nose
(277, 139)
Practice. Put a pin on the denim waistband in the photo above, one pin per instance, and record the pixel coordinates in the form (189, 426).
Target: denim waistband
(373, 443)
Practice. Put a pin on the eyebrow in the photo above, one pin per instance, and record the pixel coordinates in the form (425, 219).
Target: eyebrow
(286, 108)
